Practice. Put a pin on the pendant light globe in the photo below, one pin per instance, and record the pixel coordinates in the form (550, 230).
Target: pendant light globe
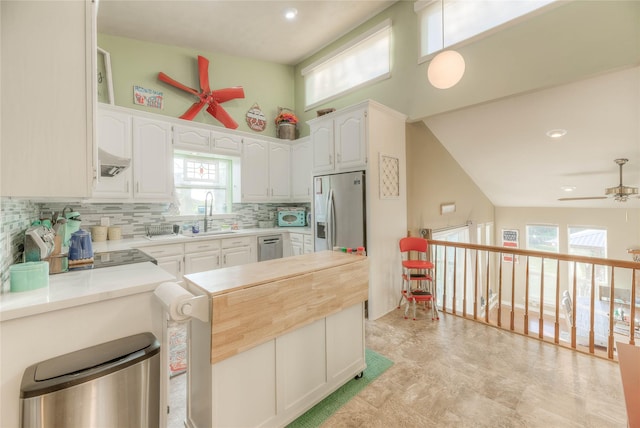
(446, 69)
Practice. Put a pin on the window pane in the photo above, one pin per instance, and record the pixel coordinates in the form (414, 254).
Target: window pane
(590, 242)
(361, 63)
(542, 238)
(464, 19)
(195, 175)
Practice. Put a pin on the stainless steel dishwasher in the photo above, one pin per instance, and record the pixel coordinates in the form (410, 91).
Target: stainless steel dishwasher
(269, 247)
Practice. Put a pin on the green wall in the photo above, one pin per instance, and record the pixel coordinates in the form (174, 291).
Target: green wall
(138, 63)
(566, 42)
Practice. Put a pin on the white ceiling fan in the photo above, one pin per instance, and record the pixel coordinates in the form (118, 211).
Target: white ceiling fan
(620, 192)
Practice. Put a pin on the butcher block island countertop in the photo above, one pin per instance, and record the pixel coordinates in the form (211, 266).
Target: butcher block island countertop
(282, 335)
(253, 303)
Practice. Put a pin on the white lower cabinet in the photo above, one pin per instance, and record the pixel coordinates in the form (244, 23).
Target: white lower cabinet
(170, 257)
(201, 256)
(273, 383)
(297, 243)
(238, 251)
(301, 243)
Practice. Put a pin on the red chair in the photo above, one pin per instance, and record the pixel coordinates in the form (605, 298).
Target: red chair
(417, 282)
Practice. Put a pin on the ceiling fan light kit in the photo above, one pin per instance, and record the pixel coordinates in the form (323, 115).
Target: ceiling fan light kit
(620, 193)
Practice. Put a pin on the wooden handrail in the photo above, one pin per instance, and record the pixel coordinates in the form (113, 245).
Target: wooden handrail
(585, 306)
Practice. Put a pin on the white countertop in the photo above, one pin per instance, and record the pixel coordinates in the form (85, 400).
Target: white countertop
(125, 244)
(81, 287)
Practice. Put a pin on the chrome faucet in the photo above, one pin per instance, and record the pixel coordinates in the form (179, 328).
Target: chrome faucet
(206, 198)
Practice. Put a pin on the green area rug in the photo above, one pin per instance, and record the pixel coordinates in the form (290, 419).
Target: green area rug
(315, 416)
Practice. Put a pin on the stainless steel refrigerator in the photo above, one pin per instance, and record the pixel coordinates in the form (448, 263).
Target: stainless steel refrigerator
(339, 210)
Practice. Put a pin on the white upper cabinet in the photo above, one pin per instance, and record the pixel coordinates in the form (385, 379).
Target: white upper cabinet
(265, 171)
(204, 140)
(48, 98)
(146, 143)
(114, 138)
(279, 175)
(255, 170)
(152, 160)
(339, 142)
(301, 166)
(224, 143)
(191, 138)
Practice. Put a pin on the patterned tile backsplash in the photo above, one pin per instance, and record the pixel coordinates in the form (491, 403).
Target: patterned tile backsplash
(17, 215)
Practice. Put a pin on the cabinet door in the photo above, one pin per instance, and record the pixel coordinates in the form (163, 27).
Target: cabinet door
(255, 170)
(152, 160)
(296, 243)
(173, 265)
(307, 244)
(201, 262)
(114, 137)
(323, 148)
(301, 166)
(226, 143)
(279, 164)
(236, 256)
(188, 138)
(345, 342)
(47, 98)
(351, 140)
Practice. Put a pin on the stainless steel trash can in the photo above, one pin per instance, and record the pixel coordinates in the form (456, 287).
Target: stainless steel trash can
(114, 384)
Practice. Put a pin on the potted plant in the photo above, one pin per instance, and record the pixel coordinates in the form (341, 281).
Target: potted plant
(286, 121)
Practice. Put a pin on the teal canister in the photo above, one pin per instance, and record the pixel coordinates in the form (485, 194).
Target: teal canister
(28, 276)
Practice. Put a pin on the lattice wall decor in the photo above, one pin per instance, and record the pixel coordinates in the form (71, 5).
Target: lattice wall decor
(389, 170)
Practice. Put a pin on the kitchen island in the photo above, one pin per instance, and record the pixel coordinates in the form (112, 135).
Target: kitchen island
(283, 334)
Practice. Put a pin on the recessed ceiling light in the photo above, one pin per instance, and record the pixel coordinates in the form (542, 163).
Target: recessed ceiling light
(568, 188)
(557, 133)
(290, 13)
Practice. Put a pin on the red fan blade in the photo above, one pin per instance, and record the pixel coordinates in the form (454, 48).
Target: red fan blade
(175, 83)
(193, 111)
(219, 113)
(203, 72)
(222, 95)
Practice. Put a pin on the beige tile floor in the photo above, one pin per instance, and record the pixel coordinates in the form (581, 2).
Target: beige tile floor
(458, 373)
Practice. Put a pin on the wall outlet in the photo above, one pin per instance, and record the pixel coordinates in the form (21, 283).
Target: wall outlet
(104, 221)
(272, 215)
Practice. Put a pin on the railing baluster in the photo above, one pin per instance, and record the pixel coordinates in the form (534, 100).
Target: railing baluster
(526, 299)
(444, 282)
(632, 315)
(541, 311)
(592, 309)
(486, 293)
(500, 291)
(513, 292)
(556, 332)
(455, 279)
(464, 286)
(475, 288)
(574, 307)
(611, 298)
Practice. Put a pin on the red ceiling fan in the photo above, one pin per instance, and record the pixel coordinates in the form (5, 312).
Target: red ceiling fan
(207, 96)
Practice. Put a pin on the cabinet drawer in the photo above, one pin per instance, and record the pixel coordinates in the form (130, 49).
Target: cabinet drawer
(204, 245)
(237, 242)
(308, 240)
(164, 250)
(296, 238)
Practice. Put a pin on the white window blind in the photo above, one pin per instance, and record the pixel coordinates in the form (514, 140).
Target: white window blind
(364, 60)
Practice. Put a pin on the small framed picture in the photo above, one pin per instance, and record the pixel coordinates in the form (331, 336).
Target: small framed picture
(105, 82)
